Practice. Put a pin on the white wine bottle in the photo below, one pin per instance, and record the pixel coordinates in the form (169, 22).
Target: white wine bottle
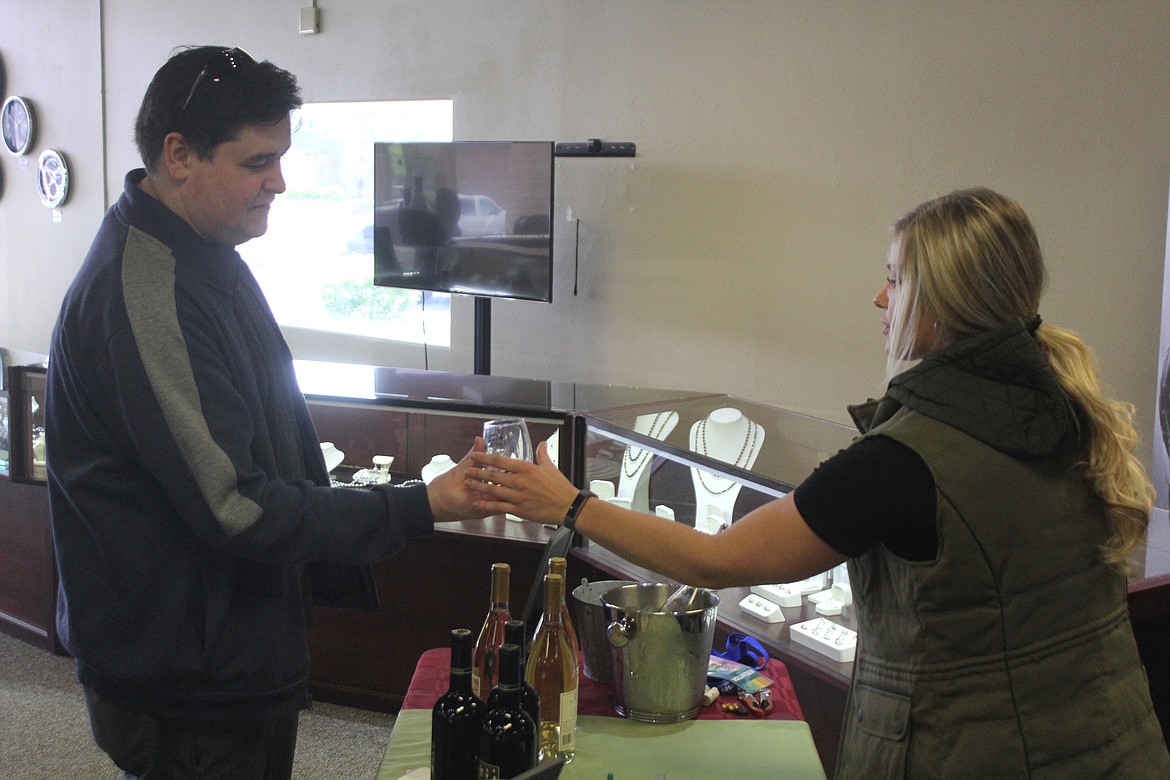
(558, 565)
(485, 661)
(552, 671)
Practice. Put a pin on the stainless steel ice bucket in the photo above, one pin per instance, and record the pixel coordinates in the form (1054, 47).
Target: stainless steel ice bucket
(658, 659)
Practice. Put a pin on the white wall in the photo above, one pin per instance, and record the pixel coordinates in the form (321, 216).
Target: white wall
(740, 249)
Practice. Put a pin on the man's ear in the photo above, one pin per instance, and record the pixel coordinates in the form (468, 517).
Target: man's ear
(177, 156)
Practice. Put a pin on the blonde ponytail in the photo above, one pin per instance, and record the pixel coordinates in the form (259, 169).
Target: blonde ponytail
(1109, 466)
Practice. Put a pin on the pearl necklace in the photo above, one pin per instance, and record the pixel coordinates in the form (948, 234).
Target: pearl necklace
(745, 453)
(632, 464)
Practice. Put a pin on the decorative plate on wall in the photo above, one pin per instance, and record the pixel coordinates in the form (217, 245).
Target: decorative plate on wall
(18, 125)
(53, 178)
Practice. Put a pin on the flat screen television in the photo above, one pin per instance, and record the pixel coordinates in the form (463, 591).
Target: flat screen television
(466, 217)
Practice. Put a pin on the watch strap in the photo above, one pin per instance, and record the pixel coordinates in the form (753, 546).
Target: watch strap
(570, 520)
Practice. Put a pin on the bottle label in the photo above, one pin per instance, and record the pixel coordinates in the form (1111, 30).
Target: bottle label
(568, 735)
(487, 771)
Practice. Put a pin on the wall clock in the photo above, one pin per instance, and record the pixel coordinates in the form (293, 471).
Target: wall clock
(53, 178)
(18, 125)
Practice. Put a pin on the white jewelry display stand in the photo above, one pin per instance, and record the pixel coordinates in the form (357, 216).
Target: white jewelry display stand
(729, 436)
(634, 481)
(553, 448)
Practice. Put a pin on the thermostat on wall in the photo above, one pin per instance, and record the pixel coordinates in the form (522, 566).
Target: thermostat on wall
(310, 20)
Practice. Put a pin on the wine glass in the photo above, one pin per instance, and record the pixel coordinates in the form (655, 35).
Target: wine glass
(509, 437)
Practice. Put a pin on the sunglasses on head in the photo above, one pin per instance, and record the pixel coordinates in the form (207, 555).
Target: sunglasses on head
(224, 64)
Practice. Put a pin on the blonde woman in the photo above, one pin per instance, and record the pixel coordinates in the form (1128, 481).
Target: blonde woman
(987, 515)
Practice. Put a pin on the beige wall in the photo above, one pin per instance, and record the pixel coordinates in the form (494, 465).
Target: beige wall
(776, 140)
(51, 55)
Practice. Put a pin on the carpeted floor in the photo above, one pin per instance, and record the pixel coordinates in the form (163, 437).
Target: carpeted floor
(44, 732)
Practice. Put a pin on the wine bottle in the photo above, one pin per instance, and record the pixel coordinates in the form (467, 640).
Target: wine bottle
(484, 674)
(552, 671)
(558, 565)
(529, 700)
(457, 718)
(507, 739)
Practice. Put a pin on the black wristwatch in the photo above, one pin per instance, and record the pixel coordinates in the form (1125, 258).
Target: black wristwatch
(570, 520)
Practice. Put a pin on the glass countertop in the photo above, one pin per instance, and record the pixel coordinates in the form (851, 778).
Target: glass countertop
(471, 392)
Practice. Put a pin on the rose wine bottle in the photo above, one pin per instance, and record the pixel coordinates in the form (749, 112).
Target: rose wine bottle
(529, 700)
(507, 739)
(457, 718)
(552, 671)
(484, 674)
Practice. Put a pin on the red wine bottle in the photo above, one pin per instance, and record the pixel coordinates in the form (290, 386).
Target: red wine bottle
(529, 700)
(484, 675)
(507, 739)
(457, 718)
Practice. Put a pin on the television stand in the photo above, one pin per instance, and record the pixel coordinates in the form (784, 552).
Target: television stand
(483, 335)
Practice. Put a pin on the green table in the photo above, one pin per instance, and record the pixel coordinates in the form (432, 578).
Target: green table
(747, 749)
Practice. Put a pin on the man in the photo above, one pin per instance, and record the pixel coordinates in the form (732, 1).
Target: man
(189, 496)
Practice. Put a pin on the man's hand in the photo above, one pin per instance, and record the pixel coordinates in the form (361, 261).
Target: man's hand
(450, 496)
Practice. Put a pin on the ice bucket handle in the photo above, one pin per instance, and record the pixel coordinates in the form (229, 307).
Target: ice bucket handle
(620, 632)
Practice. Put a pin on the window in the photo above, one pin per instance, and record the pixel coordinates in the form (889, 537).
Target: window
(316, 263)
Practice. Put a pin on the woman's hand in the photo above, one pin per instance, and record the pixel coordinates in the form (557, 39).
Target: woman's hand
(535, 491)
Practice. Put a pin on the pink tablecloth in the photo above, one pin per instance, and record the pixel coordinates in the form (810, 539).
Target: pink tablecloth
(433, 672)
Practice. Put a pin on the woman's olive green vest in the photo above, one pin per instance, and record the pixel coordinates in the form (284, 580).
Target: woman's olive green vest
(1011, 654)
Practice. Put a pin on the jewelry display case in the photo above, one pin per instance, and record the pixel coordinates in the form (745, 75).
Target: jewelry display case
(707, 460)
(414, 415)
(28, 578)
(26, 423)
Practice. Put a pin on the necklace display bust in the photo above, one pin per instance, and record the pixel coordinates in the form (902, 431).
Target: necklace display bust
(633, 482)
(725, 435)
